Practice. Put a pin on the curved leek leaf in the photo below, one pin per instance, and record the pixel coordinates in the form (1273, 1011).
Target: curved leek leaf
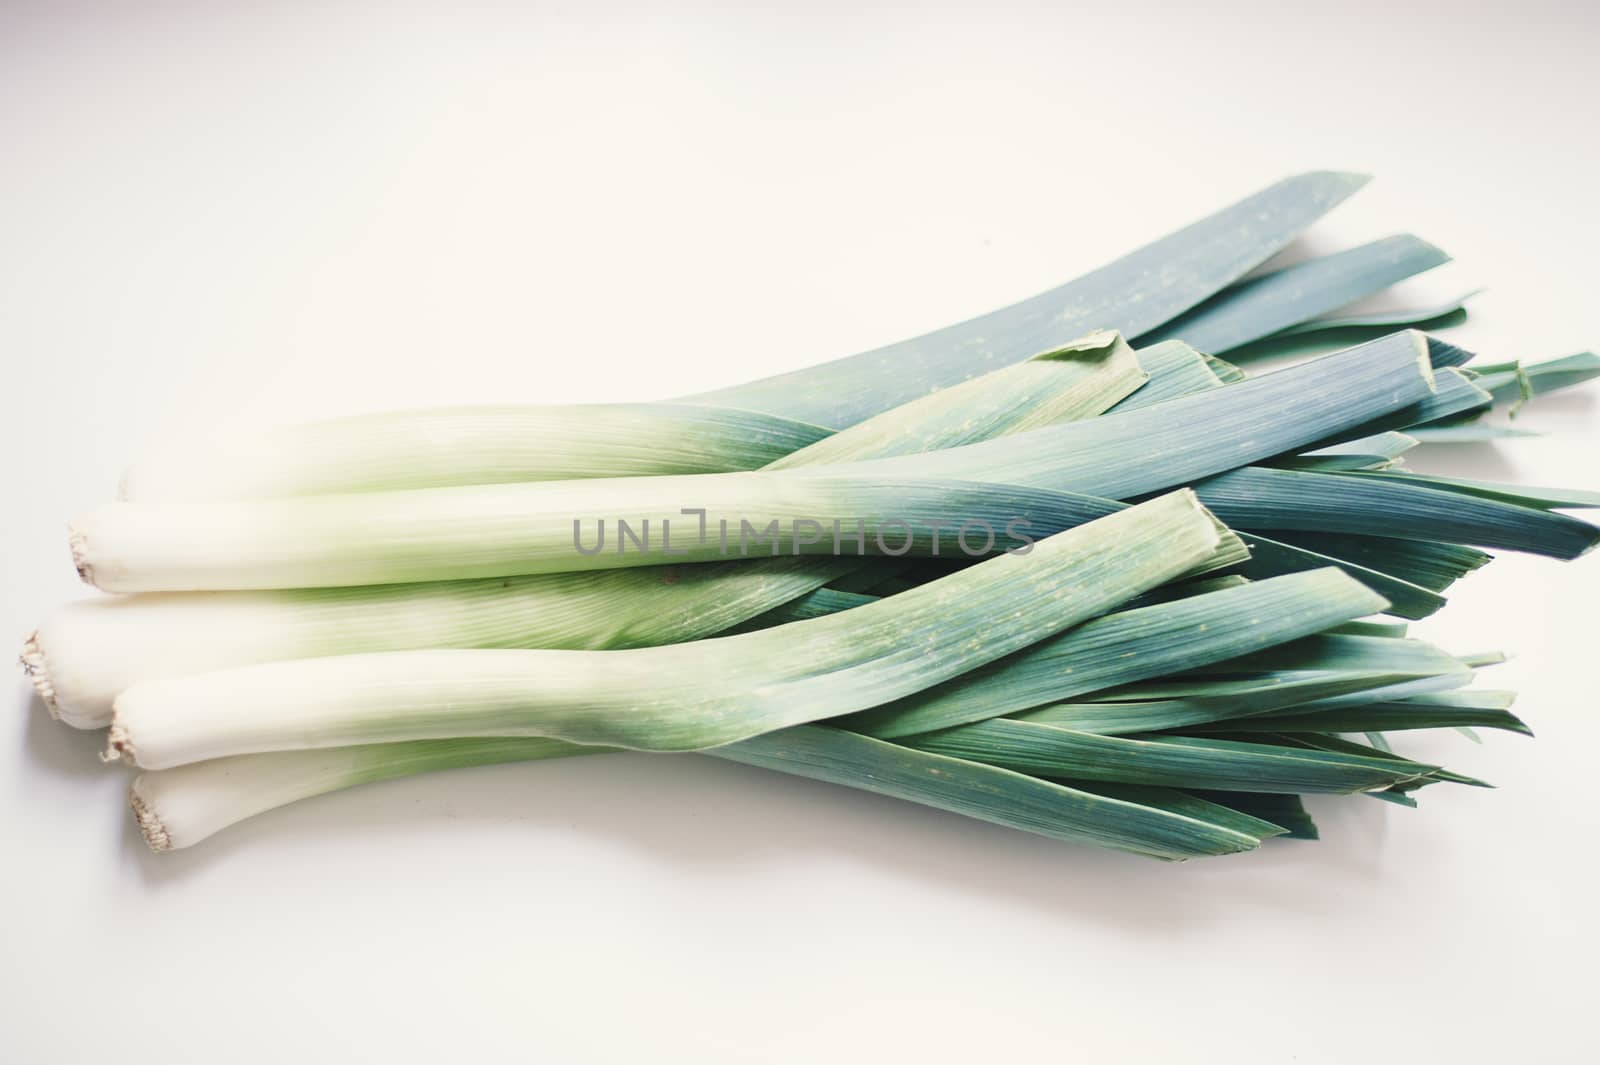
(1272, 558)
(1358, 504)
(1164, 761)
(1262, 306)
(1380, 717)
(1432, 565)
(1220, 702)
(1392, 318)
(973, 789)
(1129, 646)
(1133, 295)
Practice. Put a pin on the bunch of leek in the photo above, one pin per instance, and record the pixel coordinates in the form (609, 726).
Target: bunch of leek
(1157, 646)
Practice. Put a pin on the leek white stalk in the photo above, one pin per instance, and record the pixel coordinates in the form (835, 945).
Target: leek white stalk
(683, 696)
(180, 807)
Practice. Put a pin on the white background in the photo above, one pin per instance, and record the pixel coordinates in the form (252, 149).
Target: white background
(277, 211)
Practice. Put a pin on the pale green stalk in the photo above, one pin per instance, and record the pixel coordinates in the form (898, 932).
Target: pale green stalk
(1176, 370)
(1356, 504)
(466, 445)
(179, 807)
(436, 448)
(1016, 399)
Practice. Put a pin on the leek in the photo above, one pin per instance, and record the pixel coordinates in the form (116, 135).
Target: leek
(180, 807)
(502, 530)
(682, 696)
(1079, 684)
(1128, 646)
(177, 807)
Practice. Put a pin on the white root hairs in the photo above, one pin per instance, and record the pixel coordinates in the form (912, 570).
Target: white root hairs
(150, 826)
(34, 665)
